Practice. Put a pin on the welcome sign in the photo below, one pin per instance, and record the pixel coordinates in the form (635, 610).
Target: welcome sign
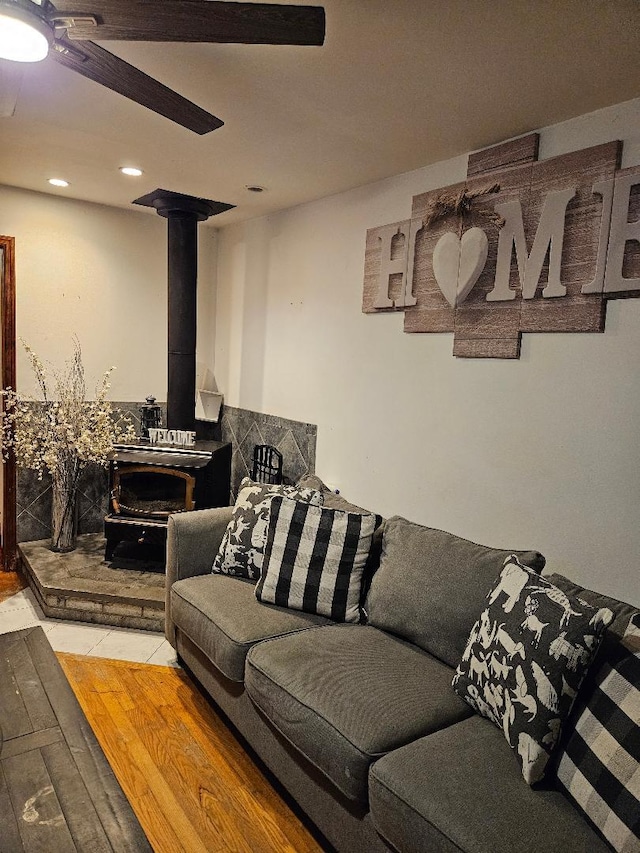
(521, 246)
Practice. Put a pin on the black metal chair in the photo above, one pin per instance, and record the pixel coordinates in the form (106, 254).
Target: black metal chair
(267, 464)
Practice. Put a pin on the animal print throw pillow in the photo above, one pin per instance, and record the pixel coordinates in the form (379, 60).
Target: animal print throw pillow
(242, 547)
(525, 659)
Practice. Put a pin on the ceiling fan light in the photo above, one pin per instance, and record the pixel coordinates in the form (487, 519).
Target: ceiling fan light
(132, 171)
(24, 36)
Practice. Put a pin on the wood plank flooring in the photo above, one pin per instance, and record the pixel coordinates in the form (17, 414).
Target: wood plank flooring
(190, 783)
(10, 583)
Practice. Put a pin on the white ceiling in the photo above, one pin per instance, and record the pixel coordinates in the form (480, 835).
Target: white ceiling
(398, 84)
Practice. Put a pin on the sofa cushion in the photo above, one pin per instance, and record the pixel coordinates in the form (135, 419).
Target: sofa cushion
(242, 547)
(344, 695)
(431, 586)
(622, 612)
(526, 658)
(314, 559)
(599, 764)
(221, 616)
(334, 500)
(460, 789)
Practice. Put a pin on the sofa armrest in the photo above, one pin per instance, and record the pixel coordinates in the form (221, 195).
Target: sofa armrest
(193, 540)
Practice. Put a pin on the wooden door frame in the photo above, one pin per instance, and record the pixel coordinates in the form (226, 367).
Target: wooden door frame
(9, 545)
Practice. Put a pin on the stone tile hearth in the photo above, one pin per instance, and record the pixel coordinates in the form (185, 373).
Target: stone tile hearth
(80, 586)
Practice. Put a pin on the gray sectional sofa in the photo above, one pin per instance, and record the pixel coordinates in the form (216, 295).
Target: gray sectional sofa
(359, 722)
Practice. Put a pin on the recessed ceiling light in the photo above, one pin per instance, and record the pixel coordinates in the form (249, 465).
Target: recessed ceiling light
(131, 170)
(254, 188)
(58, 182)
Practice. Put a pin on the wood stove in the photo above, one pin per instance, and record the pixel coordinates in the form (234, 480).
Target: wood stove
(148, 483)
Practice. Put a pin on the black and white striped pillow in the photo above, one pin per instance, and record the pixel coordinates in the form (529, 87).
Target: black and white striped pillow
(314, 559)
(599, 767)
(242, 546)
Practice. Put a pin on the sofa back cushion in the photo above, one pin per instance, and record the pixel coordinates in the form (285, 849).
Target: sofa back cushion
(431, 586)
(331, 499)
(622, 613)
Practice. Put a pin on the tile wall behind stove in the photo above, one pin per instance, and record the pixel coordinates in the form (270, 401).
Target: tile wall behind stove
(242, 427)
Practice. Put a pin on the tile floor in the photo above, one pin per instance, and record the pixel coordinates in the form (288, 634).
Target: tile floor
(81, 638)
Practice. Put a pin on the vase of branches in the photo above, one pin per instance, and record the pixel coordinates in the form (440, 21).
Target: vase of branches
(64, 511)
(61, 434)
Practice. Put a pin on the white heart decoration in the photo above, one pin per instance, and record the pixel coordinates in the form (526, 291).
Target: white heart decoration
(457, 263)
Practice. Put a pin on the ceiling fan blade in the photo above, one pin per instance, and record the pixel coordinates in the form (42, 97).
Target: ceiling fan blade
(103, 67)
(194, 21)
(11, 74)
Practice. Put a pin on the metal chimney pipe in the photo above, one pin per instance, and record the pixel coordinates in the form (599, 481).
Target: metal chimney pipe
(183, 213)
(183, 277)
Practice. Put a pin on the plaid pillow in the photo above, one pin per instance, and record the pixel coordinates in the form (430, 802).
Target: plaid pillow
(242, 547)
(315, 558)
(525, 660)
(600, 766)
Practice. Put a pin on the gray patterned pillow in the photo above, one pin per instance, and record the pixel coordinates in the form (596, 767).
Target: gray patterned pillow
(525, 660)
(242, 547)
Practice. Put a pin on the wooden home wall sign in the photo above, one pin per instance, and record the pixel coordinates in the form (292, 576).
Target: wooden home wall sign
(521, 246)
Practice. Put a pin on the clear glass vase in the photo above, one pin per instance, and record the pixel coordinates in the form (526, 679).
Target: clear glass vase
(64, 516)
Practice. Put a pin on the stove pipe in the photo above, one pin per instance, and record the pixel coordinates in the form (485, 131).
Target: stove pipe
(182, 213)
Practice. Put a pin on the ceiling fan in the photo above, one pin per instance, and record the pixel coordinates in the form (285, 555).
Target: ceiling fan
(32, 30)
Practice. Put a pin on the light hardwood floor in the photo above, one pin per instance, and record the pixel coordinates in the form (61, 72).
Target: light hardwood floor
(189, 781)
(10, 583)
